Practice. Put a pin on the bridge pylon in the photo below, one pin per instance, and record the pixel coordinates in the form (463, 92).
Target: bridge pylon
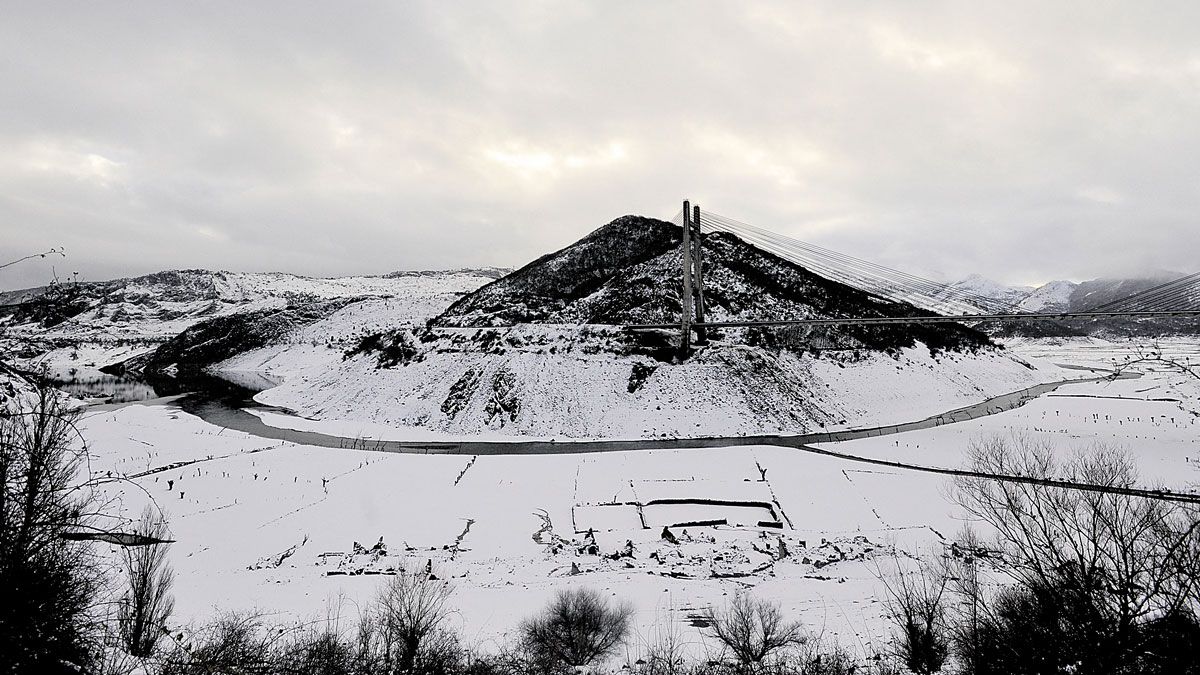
(685, 315)
(692, 300)
(698, 274)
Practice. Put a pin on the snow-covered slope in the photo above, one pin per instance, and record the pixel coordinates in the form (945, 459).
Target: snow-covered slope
(562, 381)
(96, 324)
(1054, 296)
(507, 529)
(557, 373)
(977, 286)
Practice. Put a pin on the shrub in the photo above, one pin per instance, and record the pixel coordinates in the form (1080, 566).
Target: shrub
(50, 584)
(231, 644)
(1104, 581)
(753, 630)
(916, 606)
(405, 628)
(578, 628)
(147, 604)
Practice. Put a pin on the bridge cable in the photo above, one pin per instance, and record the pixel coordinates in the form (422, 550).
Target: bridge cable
(892, 284)
(902, 280)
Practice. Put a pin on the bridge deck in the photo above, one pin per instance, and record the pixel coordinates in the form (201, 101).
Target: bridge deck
(932, 318)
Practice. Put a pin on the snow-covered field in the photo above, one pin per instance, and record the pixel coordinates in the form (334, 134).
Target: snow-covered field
(240, 502)
(272, 525)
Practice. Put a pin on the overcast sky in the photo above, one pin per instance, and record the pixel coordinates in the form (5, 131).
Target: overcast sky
(1024, 141)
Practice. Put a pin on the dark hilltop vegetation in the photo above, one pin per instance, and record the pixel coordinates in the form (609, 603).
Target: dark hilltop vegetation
(628, 272)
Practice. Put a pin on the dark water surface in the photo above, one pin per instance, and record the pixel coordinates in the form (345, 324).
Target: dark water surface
(109, 388)
(226, 402)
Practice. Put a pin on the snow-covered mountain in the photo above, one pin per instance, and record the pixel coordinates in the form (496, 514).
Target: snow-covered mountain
(1098, 292)
(431, 350)
(627, 272)
(90, 325)
(1054, 296)
(1069, 296)
(1060, 295)
(977, 286)
(164, 303)
(558, 372)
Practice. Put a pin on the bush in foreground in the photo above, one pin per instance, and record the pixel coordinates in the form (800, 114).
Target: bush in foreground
(49, 619)
(579, 628)
(1103, 581)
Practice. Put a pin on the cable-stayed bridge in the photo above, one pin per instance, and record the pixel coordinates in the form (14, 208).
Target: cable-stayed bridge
(944, 303)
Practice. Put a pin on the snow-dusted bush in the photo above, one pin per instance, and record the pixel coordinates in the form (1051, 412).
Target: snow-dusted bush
(579, 628)
(404, 629)
(146, 605)
(1104, 578)
(49, 585)
(753, 630)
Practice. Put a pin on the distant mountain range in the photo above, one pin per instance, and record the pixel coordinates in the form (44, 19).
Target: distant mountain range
(1071, 296)
(1060, 295)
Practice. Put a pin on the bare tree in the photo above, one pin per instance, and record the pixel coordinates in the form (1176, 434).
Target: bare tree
(662, 650)
(51, 585)
(916, 605)
(753, 629)
(1154, 355)
(147, 604)
(405, 628)
(580, 627)
(1103, 562)
(963, 576)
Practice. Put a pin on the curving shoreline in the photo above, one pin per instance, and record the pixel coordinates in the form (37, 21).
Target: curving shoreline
(224, 412)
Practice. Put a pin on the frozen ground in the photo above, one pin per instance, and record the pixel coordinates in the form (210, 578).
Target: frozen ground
(272, 525)
(1155, 417)
(240, 503)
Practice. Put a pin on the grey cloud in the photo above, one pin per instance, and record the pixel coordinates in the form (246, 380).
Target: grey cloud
(1023, 141)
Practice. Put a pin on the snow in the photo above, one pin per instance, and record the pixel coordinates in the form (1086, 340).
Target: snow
(1054, 296)
(261, 524)
(571, 393)
(976, 284)
(246, 502)
(254, 500)
(142, 313)
(1156, 416)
